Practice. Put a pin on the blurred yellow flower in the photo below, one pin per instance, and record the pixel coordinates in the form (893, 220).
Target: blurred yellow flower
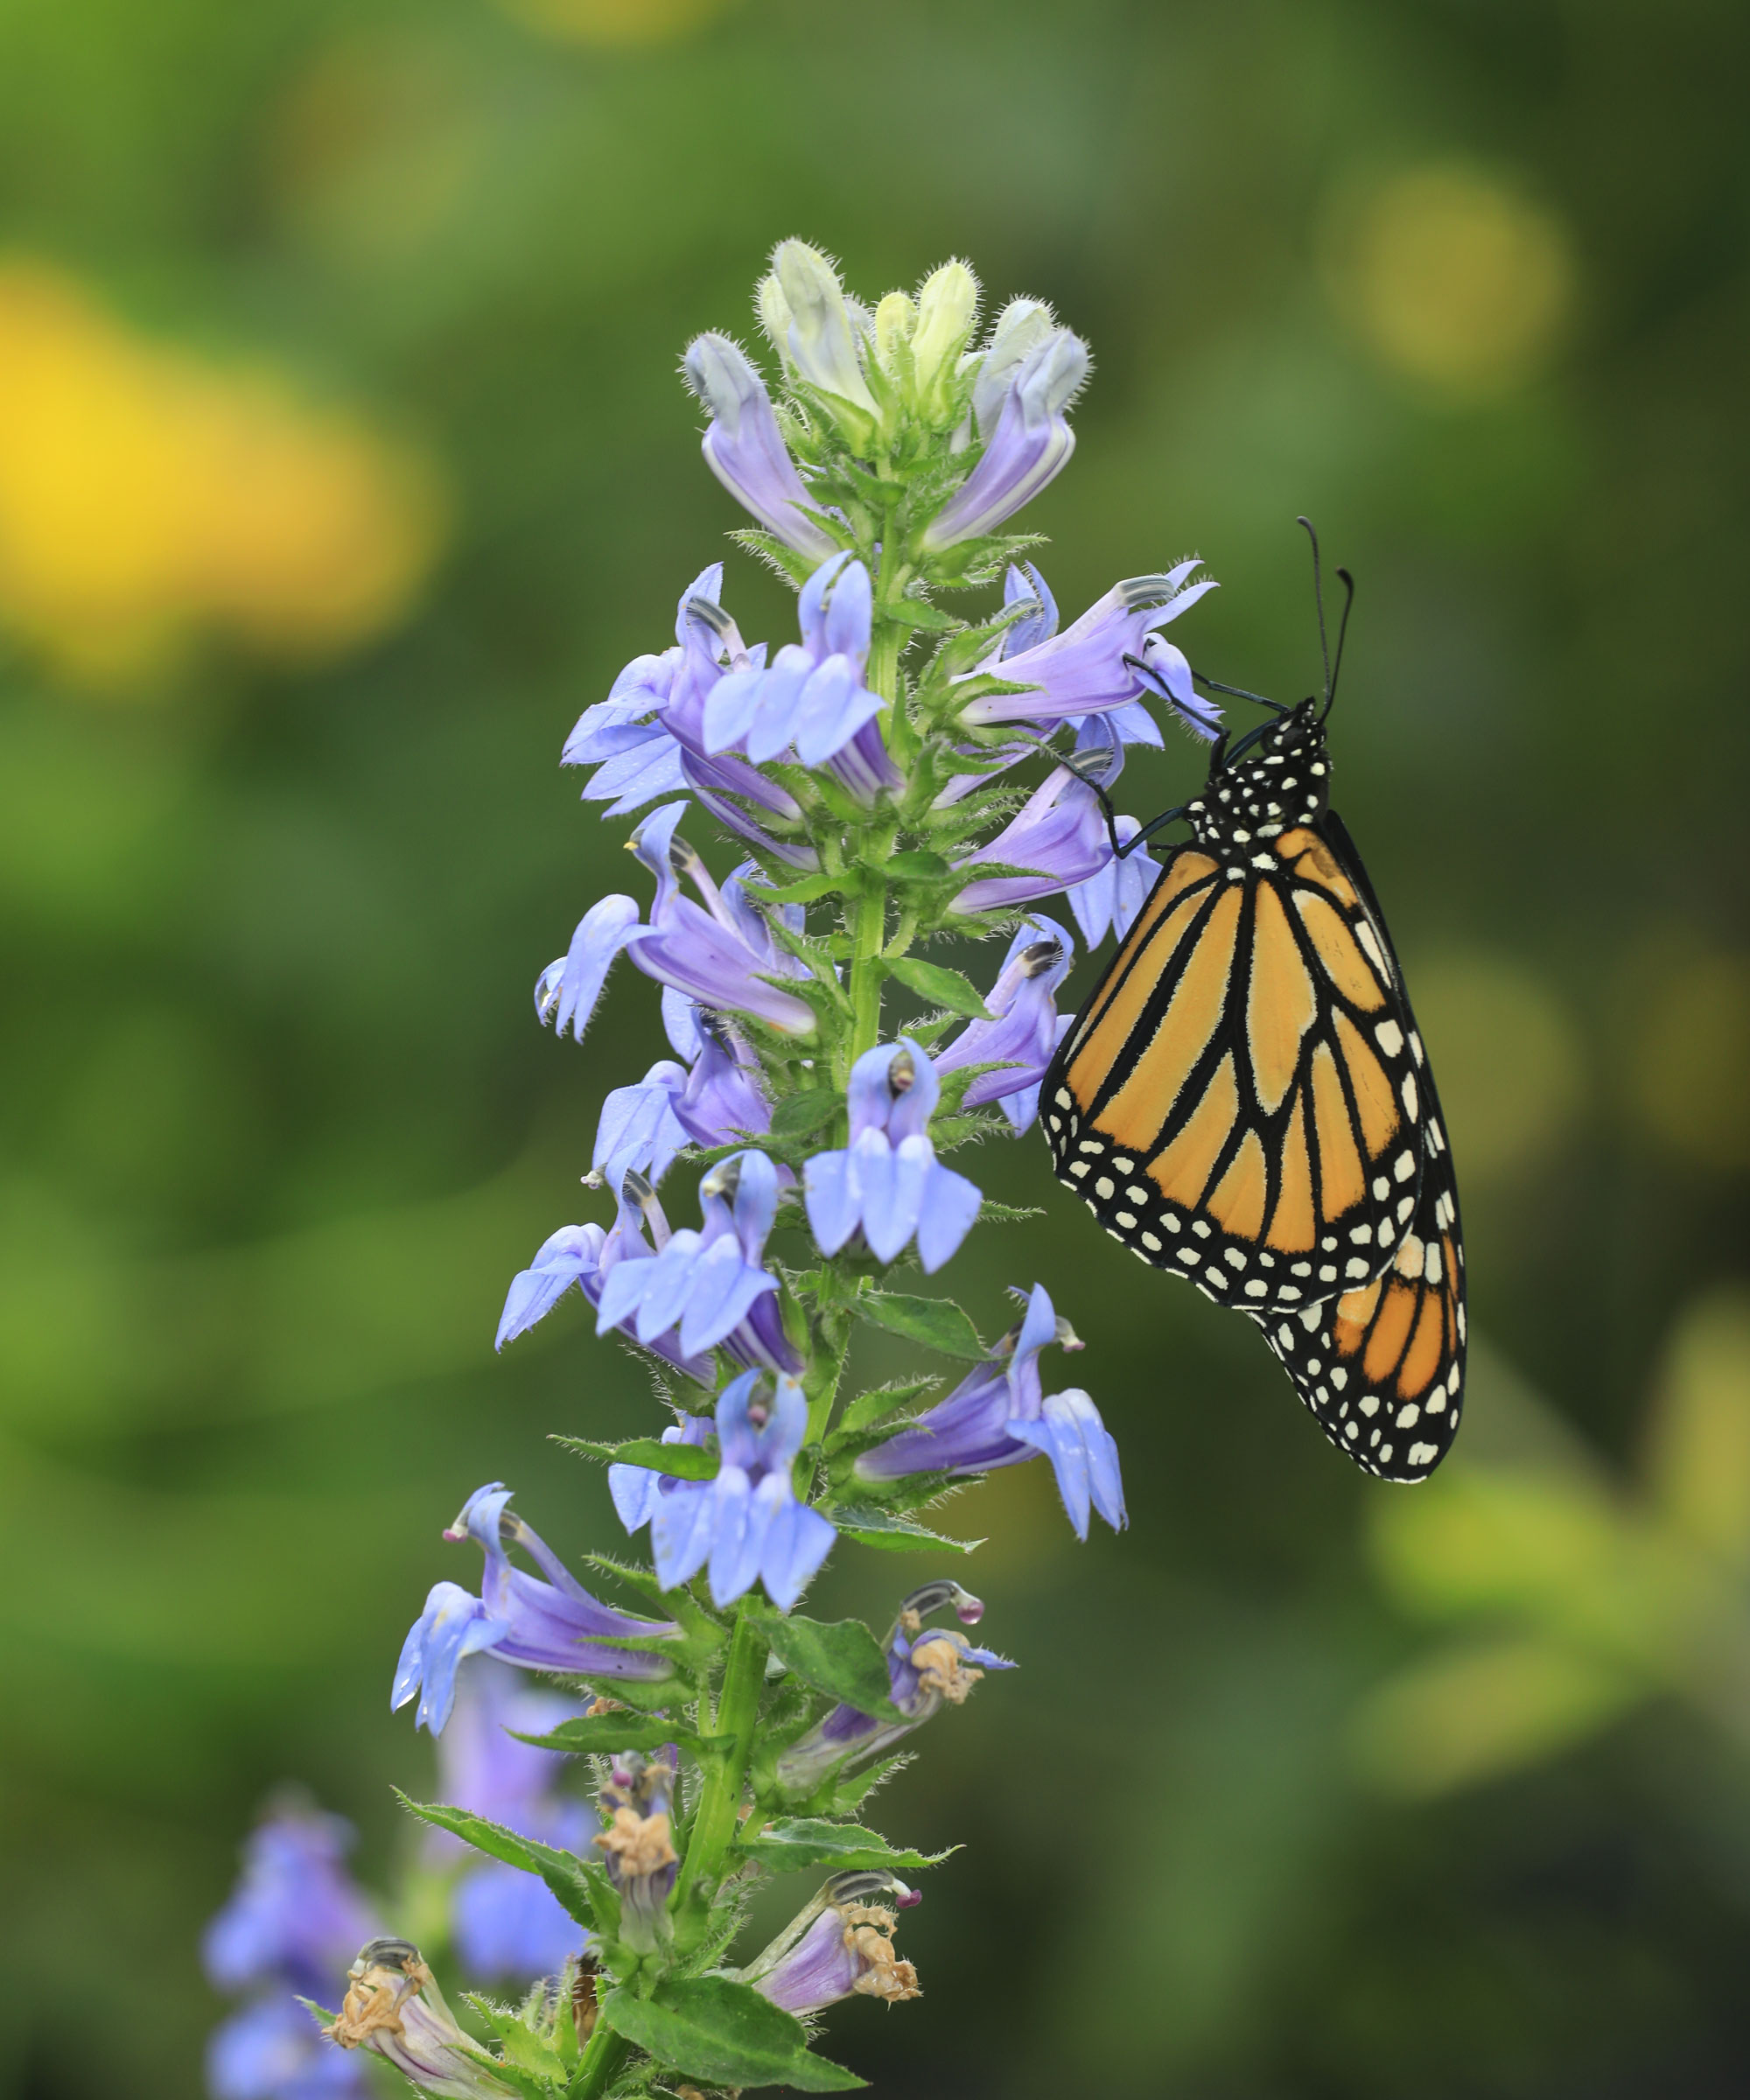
(1689, 1056)
(1508, 1056)
(1452, 276)
(1576, 1600)
(616, 22)
(146, 495)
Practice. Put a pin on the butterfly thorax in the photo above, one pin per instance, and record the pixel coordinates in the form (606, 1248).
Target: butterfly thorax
(1284, 782)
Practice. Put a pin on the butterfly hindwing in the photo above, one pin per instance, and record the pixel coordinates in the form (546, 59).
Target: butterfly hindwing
(1382, 1368)
(1241, 1101)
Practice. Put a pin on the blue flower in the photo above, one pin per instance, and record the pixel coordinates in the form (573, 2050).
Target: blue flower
(1030, 372)
(1026, 1028)
(811, 697)
(889, 1183)
(1024, 587)
(274, 2049)
(295, 1912)
(720, 954)
(635, 1488)
(290, 1926)
(585, 1257)
(1000, 1415)
(723, 1097)
(638, 1127)
(745, 448)
(747, 1522)
(554, 1625)
(927, 1669)
(1060, 832)
(508, 1924)
(1091, 667)
(705, 1284)
(644, 740)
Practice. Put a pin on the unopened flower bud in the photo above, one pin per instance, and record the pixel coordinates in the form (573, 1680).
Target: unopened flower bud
(948, 307)
(895, 320)
(819, 336)
(395, 2009)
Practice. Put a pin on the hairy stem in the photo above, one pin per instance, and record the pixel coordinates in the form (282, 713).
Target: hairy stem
(603, 2054)
(714, 1824)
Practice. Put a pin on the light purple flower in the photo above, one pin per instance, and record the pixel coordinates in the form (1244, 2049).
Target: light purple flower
(635, 1488)
(639, 1127)
(395, 2009)
(747, 1522)
(745, 448)
(554, 1625)
(703, 1284)
(1026, 1027)
(719, 953)
(1029, 444)
(1166, 673)
(1023, 585)
(638, 1796)
(840, 1946)
(811, 697)
(927, 1669)
(644, 740)
(296, 1913)
(1089, 667)
(272, 2048)
(585, 1255)
(1109, 899)
(1000, 1415)
(724, 1097)
(889, 1183)
(508, 1924)
(1059, 833)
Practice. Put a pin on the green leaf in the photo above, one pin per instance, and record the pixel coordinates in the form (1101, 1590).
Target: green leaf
(883, 1400)
(842, 1659)
(807, 890)
(942, 987)
(938, 1323)
(801, 1114)
(791, 1842)
(682, 1461)
(895, 1534)
(572, 1880)
(1006, 1213)
(607, 1734)
(849, 1793)
(917, 866)
(724, 2033)
(930, 620)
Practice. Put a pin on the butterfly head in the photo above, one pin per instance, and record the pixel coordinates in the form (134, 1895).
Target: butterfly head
(1277, 778)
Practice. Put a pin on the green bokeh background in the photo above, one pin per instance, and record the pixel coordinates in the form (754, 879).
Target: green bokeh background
(277, 1123)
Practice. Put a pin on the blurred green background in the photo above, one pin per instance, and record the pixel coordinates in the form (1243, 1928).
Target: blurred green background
(343, 461)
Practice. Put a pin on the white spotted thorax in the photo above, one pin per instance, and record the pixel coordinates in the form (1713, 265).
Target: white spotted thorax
(1245, 1102)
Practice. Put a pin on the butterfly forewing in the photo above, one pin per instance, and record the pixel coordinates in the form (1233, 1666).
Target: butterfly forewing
(1382, 1367)
(1242, 1099)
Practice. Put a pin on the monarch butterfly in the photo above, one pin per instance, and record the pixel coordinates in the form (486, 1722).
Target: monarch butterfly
(1245, 1100)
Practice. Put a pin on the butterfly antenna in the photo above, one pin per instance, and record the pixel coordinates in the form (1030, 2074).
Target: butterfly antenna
(1348, 584)
(1319, 600)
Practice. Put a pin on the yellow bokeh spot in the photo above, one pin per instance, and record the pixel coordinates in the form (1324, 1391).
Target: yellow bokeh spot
(1452, 277)
(1506, 1054)
(1690, 1057)
(147, 494)
(616, 22)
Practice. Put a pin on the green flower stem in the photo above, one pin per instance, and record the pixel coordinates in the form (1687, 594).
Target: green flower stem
(603, 2054)
(869, 937)
(714, 1823)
